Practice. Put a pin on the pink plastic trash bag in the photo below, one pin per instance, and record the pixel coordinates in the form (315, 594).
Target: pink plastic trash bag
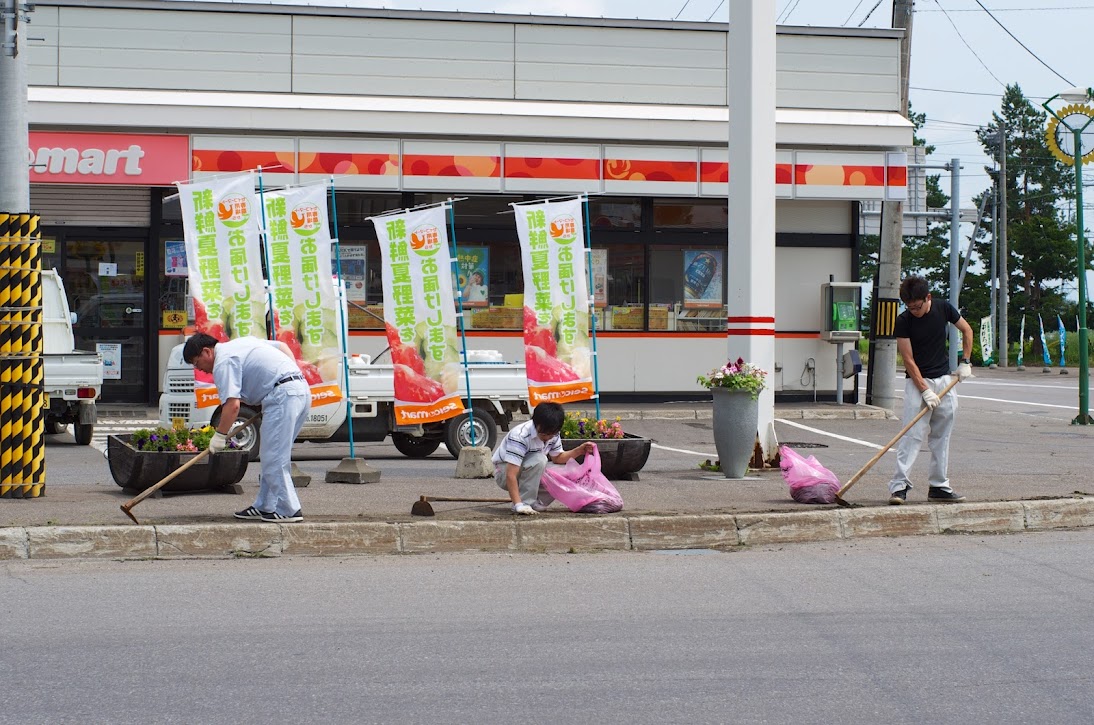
(809, 481)
(581, 487)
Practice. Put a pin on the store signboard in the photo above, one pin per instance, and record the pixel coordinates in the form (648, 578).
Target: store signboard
(108, 158)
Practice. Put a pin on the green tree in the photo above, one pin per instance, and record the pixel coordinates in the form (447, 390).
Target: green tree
(1040, 241)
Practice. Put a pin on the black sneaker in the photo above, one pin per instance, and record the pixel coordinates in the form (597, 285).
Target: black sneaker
(249, 514)
(899, 498)
(939, 496)
(272, 517)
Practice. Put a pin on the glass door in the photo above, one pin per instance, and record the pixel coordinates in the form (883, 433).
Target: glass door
(105, 282)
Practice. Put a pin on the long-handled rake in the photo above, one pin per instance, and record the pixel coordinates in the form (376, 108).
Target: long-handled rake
(870, 464)
(127, 507)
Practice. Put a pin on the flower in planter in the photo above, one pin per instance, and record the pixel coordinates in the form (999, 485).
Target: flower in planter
(580, 426)
(735, 376)
(176, 438)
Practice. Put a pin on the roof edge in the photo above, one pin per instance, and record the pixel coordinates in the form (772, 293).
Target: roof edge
(267, 8)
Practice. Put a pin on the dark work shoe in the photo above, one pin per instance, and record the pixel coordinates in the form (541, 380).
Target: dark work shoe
(249, 514)
(939, 496)
(899, 498)
(272, 517)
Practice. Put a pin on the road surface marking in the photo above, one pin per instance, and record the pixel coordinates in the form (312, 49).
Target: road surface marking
(830, 435)
(683, 450)
(1017, 402)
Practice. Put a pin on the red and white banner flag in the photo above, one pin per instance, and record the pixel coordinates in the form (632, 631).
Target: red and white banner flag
(224, 259)
(304, 299)
(420, 314)
(557, 351)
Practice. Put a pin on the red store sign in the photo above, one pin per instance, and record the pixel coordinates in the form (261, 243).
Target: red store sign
(108, 158)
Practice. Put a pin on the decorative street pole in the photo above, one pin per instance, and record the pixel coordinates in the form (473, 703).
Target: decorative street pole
(1076, 118)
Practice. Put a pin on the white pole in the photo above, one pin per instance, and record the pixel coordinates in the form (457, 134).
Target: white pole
(750, 266)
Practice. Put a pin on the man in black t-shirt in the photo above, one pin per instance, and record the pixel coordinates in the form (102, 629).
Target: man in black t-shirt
(921, 333)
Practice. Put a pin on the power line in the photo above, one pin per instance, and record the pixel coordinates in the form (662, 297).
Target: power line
(716, 10)
(863, 21)
(1004, 27)
(790, 10)
(686, 3)
(857, 6)
(1016, 10)
(959, 35)
(969, 93)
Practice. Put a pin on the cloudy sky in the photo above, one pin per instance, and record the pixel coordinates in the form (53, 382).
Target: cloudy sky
(961, 56)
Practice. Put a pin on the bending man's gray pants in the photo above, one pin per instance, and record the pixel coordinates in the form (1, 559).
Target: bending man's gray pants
(528, 480)
(284, 411)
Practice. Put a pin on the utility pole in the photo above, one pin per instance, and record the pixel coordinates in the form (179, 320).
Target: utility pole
(994, 253)
(14, 172)
(955, 252)
(1004, 275)
(883, 351)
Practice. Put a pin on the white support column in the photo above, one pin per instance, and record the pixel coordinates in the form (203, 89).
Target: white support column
(750, 81)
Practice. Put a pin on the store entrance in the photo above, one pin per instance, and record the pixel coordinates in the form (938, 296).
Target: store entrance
(105, 283)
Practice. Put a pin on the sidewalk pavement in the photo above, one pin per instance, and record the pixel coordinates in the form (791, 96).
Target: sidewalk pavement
(675, 505)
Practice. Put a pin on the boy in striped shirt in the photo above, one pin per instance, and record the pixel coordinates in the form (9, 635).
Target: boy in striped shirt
(521, 458)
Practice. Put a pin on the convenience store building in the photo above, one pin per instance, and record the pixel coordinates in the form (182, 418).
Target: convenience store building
(405, 108)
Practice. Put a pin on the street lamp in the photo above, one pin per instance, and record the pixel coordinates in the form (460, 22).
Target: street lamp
(1076, 117)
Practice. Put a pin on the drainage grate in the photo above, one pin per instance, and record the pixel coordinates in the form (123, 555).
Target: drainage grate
(803, 445)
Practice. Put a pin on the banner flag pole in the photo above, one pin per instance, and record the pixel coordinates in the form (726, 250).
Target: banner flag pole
(592, 303)
(343, 321)
(463, 327)
(271, 328)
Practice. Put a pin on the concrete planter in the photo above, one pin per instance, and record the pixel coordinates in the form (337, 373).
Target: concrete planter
(736, 417)
(620, 458)
(136, 470)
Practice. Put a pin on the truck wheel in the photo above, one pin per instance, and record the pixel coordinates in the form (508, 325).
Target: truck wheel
(457, 432)
(54, 426)
(414, 447)
(82, 432)
(250, 439)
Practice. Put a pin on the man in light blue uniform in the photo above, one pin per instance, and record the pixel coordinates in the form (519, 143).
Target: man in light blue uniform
(258, 372)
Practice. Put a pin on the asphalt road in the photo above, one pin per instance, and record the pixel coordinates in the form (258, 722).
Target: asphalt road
(928, 630)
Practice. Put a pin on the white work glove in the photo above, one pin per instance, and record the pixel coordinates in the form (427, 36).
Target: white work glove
(523, 509)
(218, 442)
(964, 371)
(930, 399)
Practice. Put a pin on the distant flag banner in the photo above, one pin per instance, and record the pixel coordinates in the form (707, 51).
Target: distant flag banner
(1063, 338)
(987, 348)
(224, 262)
(304, 299)
(1044, 345)
(557, 351)
(420, 314)
(1022, 342)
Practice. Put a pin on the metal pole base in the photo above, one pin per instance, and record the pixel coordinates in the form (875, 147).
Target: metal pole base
(1083, 419)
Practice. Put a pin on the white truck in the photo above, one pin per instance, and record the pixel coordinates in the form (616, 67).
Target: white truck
(499, 389)
(73, 378)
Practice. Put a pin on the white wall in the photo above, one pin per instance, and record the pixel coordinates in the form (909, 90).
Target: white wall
(422, 55)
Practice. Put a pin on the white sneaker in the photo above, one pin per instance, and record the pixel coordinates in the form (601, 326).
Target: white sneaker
(540, 507)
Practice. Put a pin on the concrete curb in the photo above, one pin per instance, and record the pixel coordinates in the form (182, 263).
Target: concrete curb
(538, 535)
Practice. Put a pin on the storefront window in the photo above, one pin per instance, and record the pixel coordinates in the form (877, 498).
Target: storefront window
(476, 212)
(356, 207)
(690, 214)
(689, 283)
(615, 213)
